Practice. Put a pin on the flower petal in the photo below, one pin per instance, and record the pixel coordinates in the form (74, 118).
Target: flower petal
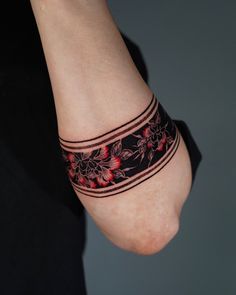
(114, 163)
(92, 174)
(82, 180)
(71, 173)
(101, 181)
(147, 132)
(107, 174)
(103, 153)
(86, 155)
(71, 157)
(126, 154)
(92, 184)
(160, 147)
(116, 148)
(163, 139)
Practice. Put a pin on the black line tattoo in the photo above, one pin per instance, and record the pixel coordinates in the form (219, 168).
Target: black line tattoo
(124, 157)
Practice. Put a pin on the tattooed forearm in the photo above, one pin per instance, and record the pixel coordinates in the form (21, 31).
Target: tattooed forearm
(123, 157)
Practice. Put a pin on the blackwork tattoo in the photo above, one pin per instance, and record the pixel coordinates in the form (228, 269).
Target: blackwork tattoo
(124, 157)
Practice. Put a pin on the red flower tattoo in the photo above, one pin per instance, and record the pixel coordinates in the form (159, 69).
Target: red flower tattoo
(115, 166)
(97, 168)
(155, 137)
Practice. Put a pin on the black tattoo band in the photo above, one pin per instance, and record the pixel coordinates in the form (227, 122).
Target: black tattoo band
(124, 157)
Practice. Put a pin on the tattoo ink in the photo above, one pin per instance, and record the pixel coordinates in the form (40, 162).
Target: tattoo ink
(124, 157)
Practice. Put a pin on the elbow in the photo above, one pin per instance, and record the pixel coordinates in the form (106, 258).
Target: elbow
(159, 230)
(154, 242)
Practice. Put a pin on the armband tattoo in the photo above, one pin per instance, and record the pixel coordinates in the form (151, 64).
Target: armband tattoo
(124, 157)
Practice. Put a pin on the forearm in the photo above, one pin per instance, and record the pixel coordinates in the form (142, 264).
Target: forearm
(89, 66)
(96, 89)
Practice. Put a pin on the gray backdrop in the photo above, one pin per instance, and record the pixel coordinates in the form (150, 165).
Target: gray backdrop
(189, 50)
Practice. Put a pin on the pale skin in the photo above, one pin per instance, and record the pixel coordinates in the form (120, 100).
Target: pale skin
(96, 88)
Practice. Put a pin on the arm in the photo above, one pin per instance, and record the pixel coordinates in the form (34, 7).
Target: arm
(103, 106)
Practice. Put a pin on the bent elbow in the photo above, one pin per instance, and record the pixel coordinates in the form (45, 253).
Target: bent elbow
(155, 242)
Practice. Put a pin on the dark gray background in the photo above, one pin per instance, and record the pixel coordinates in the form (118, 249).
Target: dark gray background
(189, 50)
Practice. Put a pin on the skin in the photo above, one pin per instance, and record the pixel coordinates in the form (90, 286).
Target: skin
(96, 88)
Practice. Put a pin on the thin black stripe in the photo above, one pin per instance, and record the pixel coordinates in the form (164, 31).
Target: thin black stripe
(113, 136)
(69, 141)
